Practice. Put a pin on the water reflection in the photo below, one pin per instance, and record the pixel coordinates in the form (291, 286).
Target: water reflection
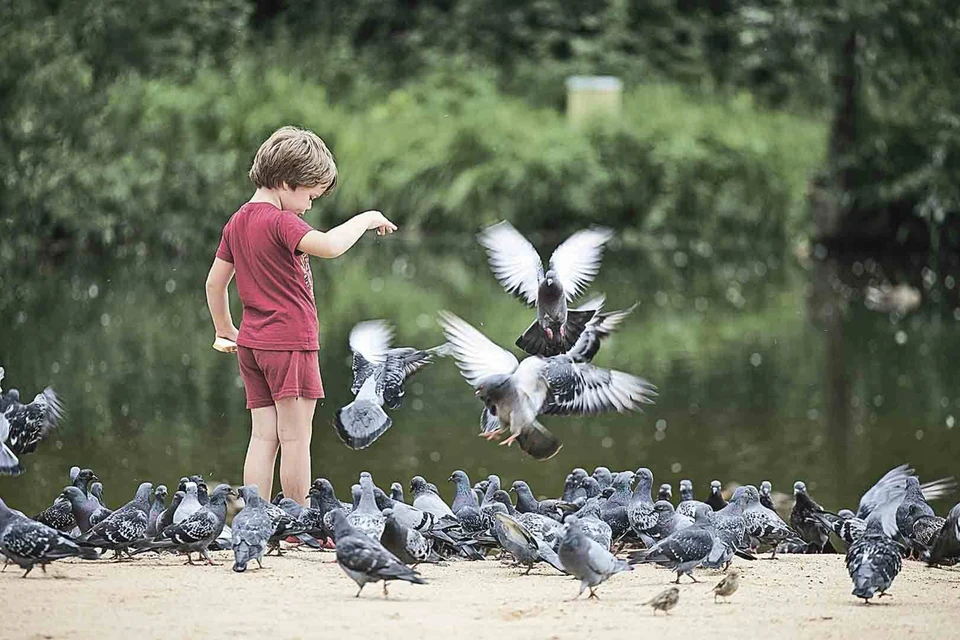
(768, 368)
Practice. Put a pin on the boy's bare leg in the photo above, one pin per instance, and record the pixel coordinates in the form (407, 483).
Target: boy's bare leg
(262, 451)
(294, 428)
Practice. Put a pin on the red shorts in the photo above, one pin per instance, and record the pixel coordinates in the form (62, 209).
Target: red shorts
(271, 375)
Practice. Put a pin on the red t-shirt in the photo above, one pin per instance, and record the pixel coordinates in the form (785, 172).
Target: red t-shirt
(273, 278)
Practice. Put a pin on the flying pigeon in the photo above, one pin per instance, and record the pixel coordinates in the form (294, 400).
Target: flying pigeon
(890, 483)
(573, 265)
(378, 376)
(29, 423)
(9, 463)
(365, 560)
(516, 393)
(251, 529)
(27, 542)
(586, 559)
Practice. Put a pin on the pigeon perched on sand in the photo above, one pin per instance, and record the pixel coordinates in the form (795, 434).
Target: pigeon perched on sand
(946, 546)
(525, 548)
(365, 560)
(668, 522)
(197, 532)
(802, 520)
(96, 492)
(465, 507)
(427, 500)
(573, 265)
(489, 506)
(728, 586)
(541, 527)
(665, 492)
(766, 499)
(603, 476)
(687, 506)
(81, 507)
(251, 529)
(190, 503)
(614, 510)
(323, 494)
(687, 548)
(665, 600)
(124, 526)
(59, 515)
(731, 527)
(165, 519)
(379, 373)
(405, 514)
(874, 561)
(30, 423)
(9, 462)
(912, 507)
(367, 517)
(27, 542)
(156, 508)
(396, 492)
(640, 511)
(587, 560)
(516, 393)
(307, 522)
(406, 543)
(763, 525)
(592, 525)
(715, 499)
(527, 503)
(686, 490)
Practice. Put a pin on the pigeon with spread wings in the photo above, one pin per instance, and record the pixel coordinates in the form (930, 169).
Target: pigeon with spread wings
(517, 392)
(379, 372)
(573, 265)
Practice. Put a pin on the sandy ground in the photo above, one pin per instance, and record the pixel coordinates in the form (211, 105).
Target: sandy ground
(305, 595)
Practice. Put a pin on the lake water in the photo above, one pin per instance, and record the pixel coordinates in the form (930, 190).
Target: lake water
(769, 366)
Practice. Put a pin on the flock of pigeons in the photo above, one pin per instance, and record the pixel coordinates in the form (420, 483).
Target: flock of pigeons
(555, 378)
(381, 537)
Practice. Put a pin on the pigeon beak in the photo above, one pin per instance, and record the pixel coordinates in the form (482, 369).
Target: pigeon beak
(512, 490)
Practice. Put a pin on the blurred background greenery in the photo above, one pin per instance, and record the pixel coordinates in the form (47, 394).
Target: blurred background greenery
(775, 165)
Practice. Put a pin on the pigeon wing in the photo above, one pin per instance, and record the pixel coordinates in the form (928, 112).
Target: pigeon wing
(581, 388)
(513, 260)
(477, 356)
(369, 341)
(577, 260)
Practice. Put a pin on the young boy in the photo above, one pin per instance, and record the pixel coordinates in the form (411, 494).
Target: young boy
(266, 244)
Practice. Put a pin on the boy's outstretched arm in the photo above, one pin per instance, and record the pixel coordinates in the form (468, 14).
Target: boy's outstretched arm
(334, 243)
(218, 299)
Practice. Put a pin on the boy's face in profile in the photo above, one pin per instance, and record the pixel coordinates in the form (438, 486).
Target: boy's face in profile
(300, 199)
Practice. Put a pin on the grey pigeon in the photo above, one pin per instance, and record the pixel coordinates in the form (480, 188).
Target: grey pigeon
(844, 523)
(731, 527)
(365, 560)
(189, 505)
(912, 507)
(542, 528)
(30, 423)
(573, 265)
(396, 492)
(668, 522)
(489, 506)
(251, 529)
(123, 527)
(27, 542)
(597, 329)
(640, 510)
(765, 498)
(96, 492)
(880, 492)
(516, 393)
(367, 517)
(203, 496)
(579, 492)
(686, 490)
(945, 550)
(356, 492)
(527, 503)
(197, 532)
(165, 519)
(614, 510)
(570, 486)
(592, 525)
(763, 525)
(925, 530)
(587, 560)
(715, 499)
(603, 477)
(81, 506)
(874, 561)
(59, 515)
(803, 521)
(326, 500)
(307, 522)
(427, 500)
(159, 506)
(405, 514)
(379, 373)
(687, 548)
(406, 543)
(665, 492)
(9, 463)
(525, 548)
(465, 507)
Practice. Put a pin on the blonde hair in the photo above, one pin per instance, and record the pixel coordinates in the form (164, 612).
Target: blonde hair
(295, 156)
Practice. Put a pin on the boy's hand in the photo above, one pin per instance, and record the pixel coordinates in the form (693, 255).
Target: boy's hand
(231, 335)
(378, 221)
